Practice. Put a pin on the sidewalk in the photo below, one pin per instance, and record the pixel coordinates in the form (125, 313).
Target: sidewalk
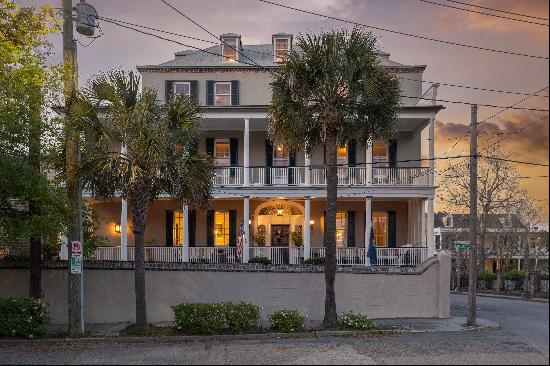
(508, 297)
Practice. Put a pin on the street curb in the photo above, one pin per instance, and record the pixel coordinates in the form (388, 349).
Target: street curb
(227, 337)
(508, 297)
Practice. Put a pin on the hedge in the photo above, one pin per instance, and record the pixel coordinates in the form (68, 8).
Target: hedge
(287, 321)
(23, 317)
(354, 321)
(485, 275)
(514, 274)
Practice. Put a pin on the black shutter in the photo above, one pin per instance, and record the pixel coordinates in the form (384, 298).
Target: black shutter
(234, 92)
(232, 228)
(325, 228)
(392, 229)
(194, 91)
(210, 146)
(192, 226)
(352, 155)
(169, 228)
(209, 92)
(210, 228)
(291, 163)
(169, 90)
(233, 154)
(351, 228)
(268, 160)
(393, 153)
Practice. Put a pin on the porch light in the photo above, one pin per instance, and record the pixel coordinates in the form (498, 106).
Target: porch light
(280, 147)
(280, 212)
(312, 222)
(117, 228)
(249, 222)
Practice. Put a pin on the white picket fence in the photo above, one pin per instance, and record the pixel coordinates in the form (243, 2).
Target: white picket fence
(393, 257)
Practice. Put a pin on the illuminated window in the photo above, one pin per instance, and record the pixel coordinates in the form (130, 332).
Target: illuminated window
(380, 152)
(280, 155)
(177, 233)
(282, 46)
(342, 154)
(341, 229)
(380, 227)
(222, 153)
(221, 228)
(229, 46)
(222, 94)
(182, 88)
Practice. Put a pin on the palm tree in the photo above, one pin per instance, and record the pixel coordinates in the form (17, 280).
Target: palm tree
(331, 89)
(160, 155)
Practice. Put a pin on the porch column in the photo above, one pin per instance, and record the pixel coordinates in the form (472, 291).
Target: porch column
(246, 154)
(431, 153)
(430, 224)
(123, 219)
(368, 161)
(307, 170)
(368, 227)
(307, 227)
(421, 220)
(246, 218)
(185, 235)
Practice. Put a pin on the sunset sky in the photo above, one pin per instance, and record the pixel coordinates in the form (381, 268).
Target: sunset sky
(256, 21)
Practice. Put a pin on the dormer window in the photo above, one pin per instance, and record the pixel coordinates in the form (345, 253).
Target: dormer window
(281, 46)
(230, 46)
(448, 221)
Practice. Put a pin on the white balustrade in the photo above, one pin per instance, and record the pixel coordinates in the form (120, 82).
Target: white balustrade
(350, 256)
(403, 256)
(212, 255)
(228, 176)
(279, 255)
(107, 254)
(277, 176)
(352, 176)
(400, 176)
(318, 252)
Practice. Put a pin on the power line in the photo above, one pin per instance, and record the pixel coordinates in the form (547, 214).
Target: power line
(480, 104)
(513, 161)
(496, 10)
(483, 13)
(406, 34)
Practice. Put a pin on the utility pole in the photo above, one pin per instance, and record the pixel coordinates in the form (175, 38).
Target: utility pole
(74, 191)
(472, 280)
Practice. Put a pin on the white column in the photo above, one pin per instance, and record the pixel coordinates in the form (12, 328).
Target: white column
(431, 152)
(246, 152)
(368, 226)
(246, 218)
(368, 160)
(430, 224)
(421, 220)
(307, 227)
(123, 220)
(185, 234)
(307, 170)
(64, 253)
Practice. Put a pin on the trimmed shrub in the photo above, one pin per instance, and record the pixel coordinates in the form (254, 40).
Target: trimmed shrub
(287, 321)
(200, 318)
(242, 317)
(544, 276)
(354, 321)
(487, 276)
(514, 274)
(22, 317)
(315, 261)
(260, 260)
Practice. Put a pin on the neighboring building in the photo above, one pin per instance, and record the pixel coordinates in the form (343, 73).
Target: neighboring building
(504, 242)
(275, 192)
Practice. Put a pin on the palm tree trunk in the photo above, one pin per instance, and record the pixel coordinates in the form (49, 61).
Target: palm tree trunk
(35, 289)
(331, 320)
(140, 207)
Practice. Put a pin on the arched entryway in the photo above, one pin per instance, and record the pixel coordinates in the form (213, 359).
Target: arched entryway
(279, 223)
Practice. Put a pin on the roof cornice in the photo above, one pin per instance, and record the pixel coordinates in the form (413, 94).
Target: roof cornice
(200, 69)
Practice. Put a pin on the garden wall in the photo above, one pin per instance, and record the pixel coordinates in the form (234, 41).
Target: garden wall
(378, 292)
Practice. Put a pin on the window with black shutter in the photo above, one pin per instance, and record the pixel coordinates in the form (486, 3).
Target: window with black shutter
(268, 160)
(232, 228)
(392, 229)
(393, 153)
(234, 92)
(169, 228)
(192, 226)
(210, 92)
(210, 228)
(351, 229)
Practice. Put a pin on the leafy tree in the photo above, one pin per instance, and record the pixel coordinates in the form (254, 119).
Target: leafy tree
(28, 87)
(331, 89)
(160, 157)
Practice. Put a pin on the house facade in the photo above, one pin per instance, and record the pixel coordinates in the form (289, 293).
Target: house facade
(278, 196)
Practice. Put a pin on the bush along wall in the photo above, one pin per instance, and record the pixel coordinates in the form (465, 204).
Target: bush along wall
(22, 317)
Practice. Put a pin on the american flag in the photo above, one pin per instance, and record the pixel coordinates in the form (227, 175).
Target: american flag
(240, 241)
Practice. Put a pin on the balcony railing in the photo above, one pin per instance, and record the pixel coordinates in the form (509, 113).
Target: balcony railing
(393, 257)
(297, 176)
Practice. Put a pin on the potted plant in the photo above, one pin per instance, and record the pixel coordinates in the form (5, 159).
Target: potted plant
(296, 237)
(260, 236)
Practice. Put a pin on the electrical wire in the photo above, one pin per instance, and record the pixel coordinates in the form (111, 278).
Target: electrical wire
(496, 10)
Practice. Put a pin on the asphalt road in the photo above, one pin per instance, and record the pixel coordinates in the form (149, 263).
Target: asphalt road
(523, 339)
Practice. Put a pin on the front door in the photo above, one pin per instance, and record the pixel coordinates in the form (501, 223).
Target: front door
(280, 235)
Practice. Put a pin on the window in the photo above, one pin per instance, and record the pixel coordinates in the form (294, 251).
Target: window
(229, 46)
(341, 229)
(380, 228)
(222, 93)
(282, 46)
(221, 152)
(182, 88)
(449, 221)
(280, 155)
(342, 155)
(177, 228)
(380, 153)
(221, 228)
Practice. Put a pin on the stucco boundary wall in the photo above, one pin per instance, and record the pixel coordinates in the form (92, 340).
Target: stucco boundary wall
(379, 292)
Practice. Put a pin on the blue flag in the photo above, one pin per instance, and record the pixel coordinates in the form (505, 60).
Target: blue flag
(372, 248)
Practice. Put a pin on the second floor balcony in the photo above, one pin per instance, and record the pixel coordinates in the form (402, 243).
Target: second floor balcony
(262, 176)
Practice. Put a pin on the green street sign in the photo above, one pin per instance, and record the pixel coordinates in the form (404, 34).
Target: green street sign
(462, 244)
(76, 265)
